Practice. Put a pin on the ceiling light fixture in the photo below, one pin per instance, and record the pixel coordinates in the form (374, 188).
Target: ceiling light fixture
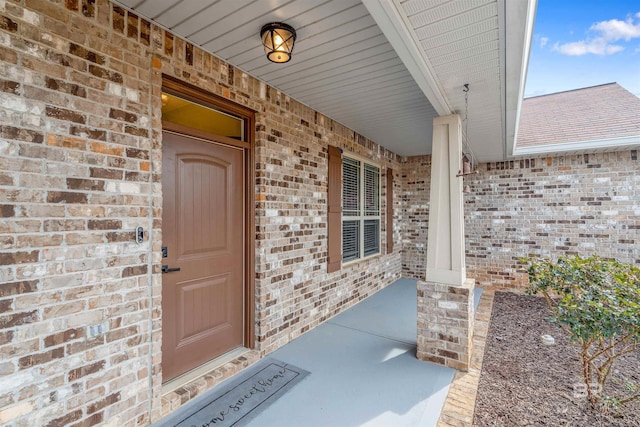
(278, 40)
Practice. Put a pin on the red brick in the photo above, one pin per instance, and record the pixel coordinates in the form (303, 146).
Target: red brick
(10, 258)
(136, 176)
(8, 25)
(76, 374)
(101, 404)
(5, 305)
(122, 115)
(8, 55)
(91, 421)
(134, 271)
(106, 173)
(9, 87)
(84, 345)
(106, 74)
(123, 236)
(64, 114)
(118, 19)
(66, 197)
(72, 5)
(104, 224)
(132, 25)
(135, 131)
(6, 337)
(88, 10)
(68, 88)
(85, 184)
(65, 419)
(90, 133)
(17, 288)
(145, 31)
(38, 359)
(21, 134)
(7, 211)
(87, 54)
(63, 337)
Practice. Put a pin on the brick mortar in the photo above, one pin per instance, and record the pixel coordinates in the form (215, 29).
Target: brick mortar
(445, 323)
(573, 204)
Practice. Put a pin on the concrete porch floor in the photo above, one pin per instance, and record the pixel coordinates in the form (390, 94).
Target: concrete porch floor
(363, 369)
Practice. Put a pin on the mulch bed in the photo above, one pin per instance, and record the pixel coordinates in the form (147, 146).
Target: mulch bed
(526, 383)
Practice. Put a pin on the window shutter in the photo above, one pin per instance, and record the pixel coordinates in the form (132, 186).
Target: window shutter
(389, 210)
(334, 210)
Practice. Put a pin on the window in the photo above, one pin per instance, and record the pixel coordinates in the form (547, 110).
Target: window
(196, 116)
(360, 209)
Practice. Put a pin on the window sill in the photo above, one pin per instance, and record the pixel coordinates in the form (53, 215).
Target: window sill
(359, 260)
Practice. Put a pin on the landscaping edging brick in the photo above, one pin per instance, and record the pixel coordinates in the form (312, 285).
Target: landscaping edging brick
(459, 405)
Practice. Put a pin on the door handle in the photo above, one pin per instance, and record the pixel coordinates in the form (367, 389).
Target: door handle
(166, 269)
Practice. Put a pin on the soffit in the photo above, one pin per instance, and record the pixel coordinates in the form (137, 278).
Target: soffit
(482, 43)
(342, 66)
(461, 41)
(345, 67)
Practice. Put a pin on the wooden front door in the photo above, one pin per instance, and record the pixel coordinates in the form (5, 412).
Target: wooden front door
(203, 232)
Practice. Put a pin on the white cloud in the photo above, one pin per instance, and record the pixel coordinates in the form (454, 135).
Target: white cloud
(615, 29)
(596, 46)
(544, 41)
(606, 32)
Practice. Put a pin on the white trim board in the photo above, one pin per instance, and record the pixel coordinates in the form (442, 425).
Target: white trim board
(576, 147)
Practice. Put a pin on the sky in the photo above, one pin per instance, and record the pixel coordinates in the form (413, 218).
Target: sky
(581, 43)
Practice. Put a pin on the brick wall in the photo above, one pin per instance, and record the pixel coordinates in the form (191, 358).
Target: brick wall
(577, 204)
(416, 182)
(75, 182)
(294, 292)
(80, 168)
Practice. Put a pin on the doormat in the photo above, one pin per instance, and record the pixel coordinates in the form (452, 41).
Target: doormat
(237, 403)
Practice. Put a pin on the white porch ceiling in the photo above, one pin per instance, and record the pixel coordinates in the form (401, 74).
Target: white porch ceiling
(345, 67)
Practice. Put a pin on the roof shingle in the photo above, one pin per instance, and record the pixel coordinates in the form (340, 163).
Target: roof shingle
(594, 113)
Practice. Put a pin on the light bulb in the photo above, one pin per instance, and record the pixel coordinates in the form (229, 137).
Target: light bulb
(277, 42)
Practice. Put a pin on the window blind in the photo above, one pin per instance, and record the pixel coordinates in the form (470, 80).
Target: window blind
(350, 187)
(361, 209)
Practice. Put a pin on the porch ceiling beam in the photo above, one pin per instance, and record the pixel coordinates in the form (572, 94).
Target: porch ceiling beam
(396, 27)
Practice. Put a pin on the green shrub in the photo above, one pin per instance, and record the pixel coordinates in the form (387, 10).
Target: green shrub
(597, 302)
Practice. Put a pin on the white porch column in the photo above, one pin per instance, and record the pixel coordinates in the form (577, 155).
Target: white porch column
(445, 299)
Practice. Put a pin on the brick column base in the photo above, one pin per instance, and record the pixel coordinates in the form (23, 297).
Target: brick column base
(445, 323)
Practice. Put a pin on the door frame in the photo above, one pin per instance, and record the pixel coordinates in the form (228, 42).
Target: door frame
(199, 96)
